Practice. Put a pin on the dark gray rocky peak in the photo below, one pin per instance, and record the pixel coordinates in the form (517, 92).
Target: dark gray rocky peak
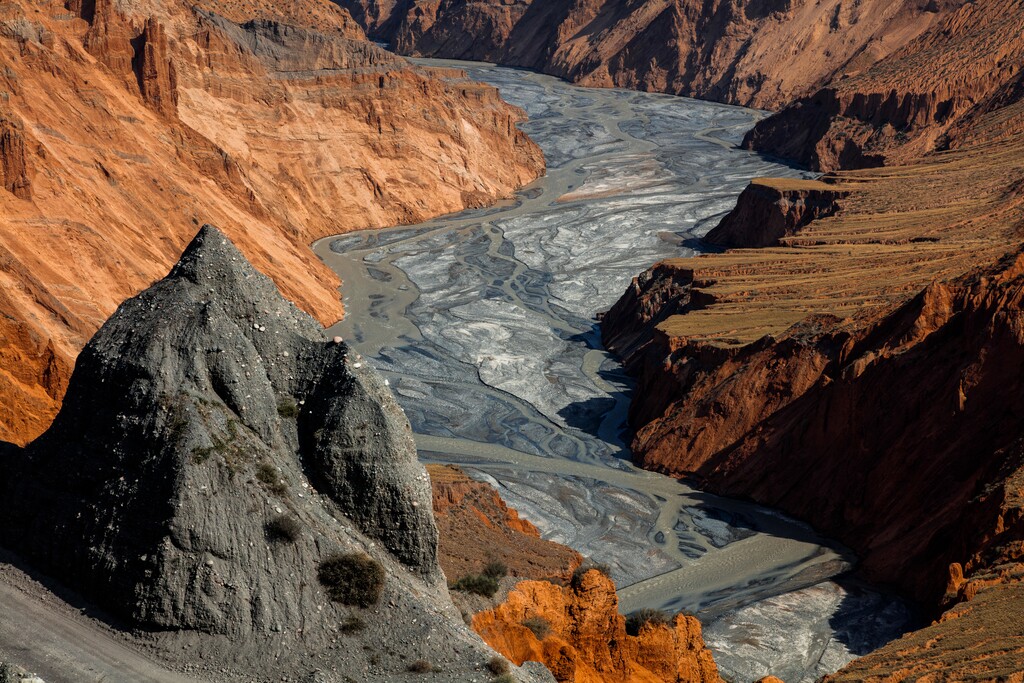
(205, 409)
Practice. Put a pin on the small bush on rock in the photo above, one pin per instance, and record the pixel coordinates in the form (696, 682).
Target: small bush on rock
(496, 569)
(421, 666)
(286, 408)
(268, 475)
(352, 578)
(283, 529)
(637, 620)
(498, 665)
(486, 586)
(540, 626)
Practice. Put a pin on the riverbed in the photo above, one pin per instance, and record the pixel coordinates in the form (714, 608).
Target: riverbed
(485, 324)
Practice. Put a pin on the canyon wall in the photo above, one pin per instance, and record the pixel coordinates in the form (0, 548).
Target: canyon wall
(938, 92)
(122, 130)
(761, 53)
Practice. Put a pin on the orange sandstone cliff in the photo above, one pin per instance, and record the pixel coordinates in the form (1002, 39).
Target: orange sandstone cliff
(276, 121)
(762, 53)
(476, 527)
(578, 633)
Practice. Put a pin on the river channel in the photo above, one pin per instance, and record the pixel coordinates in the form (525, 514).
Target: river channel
(484, 323)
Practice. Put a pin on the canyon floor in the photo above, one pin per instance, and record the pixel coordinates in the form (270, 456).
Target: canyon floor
(485, 324)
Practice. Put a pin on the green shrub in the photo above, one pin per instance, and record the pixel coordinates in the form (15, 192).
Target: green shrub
(486, 586)
(504, 678)
(540, 626)
(496, 569)
(268, 475)
(637, 620)
(498, 665)
(421, 666)
(283, 529)
(287, 408)
(352, 578)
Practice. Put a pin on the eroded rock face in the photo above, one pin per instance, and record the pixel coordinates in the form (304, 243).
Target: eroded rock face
(14, 172)
(477, 527)
(883, 434)
(751, 52)
(932, 94)
(770, 209)
(586, 639)
(206, 407)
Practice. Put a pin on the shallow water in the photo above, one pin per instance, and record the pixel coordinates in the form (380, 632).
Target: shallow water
(485, 325)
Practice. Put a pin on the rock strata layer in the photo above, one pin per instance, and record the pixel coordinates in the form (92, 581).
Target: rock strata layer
(934, 93)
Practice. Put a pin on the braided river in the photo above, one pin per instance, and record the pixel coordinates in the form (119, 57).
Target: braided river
(485, 324)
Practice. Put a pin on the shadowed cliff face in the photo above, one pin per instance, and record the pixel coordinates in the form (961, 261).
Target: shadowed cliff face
(580, 636)
(754, 52)
(123, 130)
(826, 376)
(202, 409)
(935, 93)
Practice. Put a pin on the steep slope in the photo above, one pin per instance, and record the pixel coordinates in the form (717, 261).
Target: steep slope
(932, 94)
(213, 454)
(580, 636)
(125, 126)
(762, 53)
(476, 527)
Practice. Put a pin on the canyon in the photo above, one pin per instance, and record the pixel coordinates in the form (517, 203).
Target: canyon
(121, 131)
(514, 386)
(756, 53)
(851, 360)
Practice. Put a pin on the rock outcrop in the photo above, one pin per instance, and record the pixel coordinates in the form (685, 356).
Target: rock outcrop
(929, 95)
(762, 53)
(14, 171)
(213, 450)
(476, 527)
(770, 209)
(204, 407)
(131, 124)
(578, 633)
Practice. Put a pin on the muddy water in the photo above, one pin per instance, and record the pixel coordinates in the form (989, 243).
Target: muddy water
(484, 324)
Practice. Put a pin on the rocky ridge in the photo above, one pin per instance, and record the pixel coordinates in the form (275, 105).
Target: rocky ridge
(207, 409)
(761, 53)
(578, 633)
(155, 114)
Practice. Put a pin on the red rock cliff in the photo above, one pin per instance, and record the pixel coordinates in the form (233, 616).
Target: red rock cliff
(578, 633)
(758, 52)
(167, 117)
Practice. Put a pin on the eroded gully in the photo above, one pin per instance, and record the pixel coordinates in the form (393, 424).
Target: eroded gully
(484, 324)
